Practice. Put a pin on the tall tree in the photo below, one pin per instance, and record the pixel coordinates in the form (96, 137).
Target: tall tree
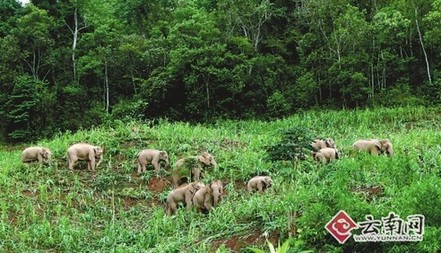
(33, 34)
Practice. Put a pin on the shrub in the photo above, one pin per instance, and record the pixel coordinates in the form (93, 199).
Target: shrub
(294, 145)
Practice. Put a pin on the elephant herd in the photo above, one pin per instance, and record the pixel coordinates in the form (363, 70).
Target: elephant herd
(326, 151)
(189, 169)
(187, 172)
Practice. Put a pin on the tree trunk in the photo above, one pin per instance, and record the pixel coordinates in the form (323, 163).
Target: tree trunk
(106, 85)
(422, 46)
(75, 34)
(74, 46)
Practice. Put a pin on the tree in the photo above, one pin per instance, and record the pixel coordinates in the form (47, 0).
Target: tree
(247, 17)
(28, 109)
(33, 35)
(76, 26)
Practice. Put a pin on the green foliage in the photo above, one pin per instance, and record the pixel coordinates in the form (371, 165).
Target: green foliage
(49, 208)
(27, 109)
(201, 60)
(397, 96)
(278, 105)
(281, 249)
(295, 144)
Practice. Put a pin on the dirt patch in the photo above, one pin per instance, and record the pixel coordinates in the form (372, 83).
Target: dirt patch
(129, 144)
(229, 144)
(28, 193)
(240, 185)
(130, 202)
(369, 192)
(238, 242)
(157, 184)
(134, 175)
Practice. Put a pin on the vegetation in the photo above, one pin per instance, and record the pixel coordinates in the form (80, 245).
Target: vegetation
(48, 208)
(73, 64)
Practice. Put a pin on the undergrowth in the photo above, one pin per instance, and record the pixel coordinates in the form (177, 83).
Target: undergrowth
(49, 208)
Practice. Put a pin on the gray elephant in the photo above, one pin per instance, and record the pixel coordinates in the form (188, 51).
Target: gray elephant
(151, 156)
(259, 183)
(36, 154)
(326, 155)
(85, 152)
(318, 144)
(192, 168)
(375, 146)
(208, 197)
(183, 194)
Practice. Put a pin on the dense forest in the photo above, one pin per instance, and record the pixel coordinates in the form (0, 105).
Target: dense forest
(71, 64)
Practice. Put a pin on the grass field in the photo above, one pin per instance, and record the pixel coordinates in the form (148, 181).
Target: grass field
(48, 208)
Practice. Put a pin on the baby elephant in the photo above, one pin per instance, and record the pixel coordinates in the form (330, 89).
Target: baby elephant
(375, 146)
(208, 197)
(86, 152)
(151, 156)
(259, 183)
(318, 144)
(36, 154)
(326, 155)
(183, 194)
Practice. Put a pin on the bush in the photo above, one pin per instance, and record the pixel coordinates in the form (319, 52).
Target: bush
(294, 145)
(277, 105)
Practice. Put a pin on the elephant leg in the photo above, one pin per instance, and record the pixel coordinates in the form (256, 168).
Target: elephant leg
(260, 188)
(156, 165)
(91, 163)
(188, 201)
(72, 162)
(40, 158)
(374, 151)
(139, 168)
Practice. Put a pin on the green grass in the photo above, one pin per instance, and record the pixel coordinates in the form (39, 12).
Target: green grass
(48, 208)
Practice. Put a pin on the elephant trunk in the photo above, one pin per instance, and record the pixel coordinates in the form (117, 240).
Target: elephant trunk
(167, 165)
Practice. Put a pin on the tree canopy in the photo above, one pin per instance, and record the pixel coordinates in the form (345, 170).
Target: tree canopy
(73, 64)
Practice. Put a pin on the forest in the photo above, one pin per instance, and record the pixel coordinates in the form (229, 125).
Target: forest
(75, 64)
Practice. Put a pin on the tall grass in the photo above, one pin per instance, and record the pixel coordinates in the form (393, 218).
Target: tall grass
(48, 208)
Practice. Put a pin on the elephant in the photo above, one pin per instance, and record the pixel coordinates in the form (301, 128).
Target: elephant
(183, 194)
(36, 154)
(326, 155)
(86, 152)
(192, 168)
(318, 144)
(375, 146)
(259, 183)
(208, 197)
(218, 191)
(153, 157)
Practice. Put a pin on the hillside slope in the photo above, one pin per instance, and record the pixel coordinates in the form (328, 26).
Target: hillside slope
(48, 208)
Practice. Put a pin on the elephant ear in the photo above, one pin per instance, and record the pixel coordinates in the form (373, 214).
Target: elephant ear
(205, 159)
(269, 181)
(210, 189)
(98, 150)
(378, 144)
(387, 146)
(329, 143)
(44, 152)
